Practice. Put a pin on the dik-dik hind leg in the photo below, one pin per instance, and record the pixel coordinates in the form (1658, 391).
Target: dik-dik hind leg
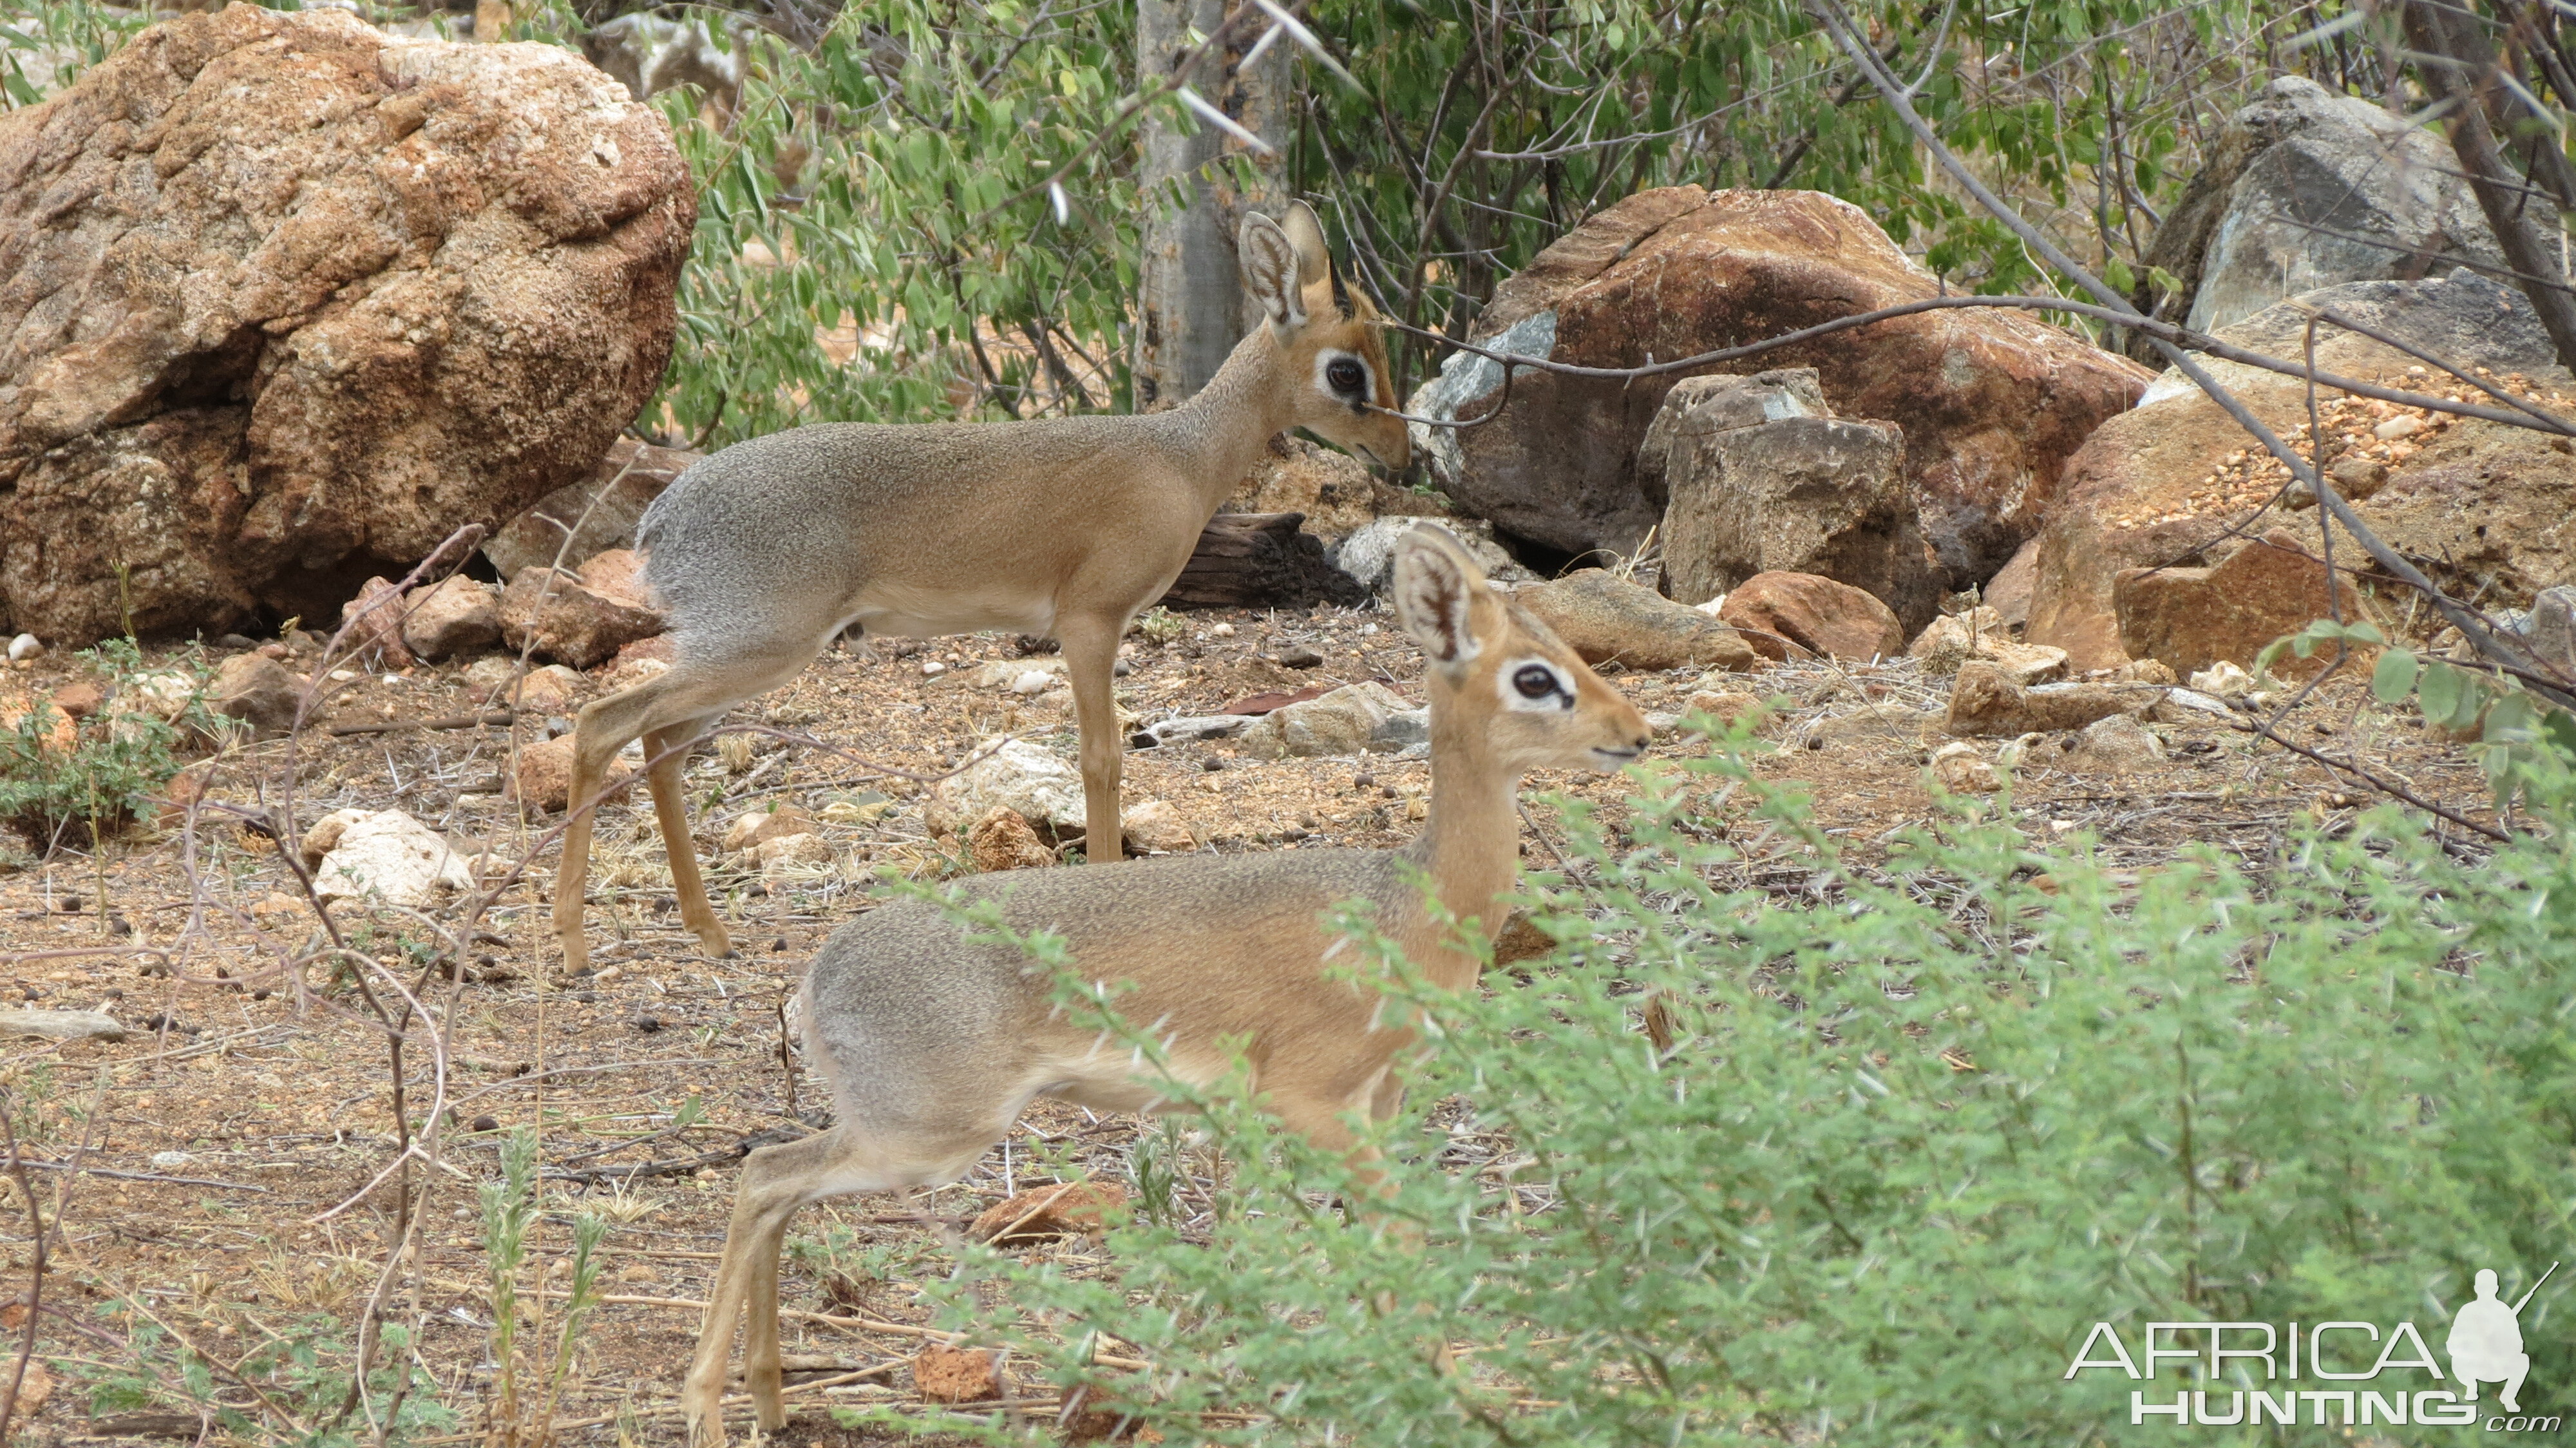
(1090, 660)
(665, 751)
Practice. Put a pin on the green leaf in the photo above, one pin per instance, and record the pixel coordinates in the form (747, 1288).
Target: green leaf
(2117, 273)
(2395, 676)
(2439, 692)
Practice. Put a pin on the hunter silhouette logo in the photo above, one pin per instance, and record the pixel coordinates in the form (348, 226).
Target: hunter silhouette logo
(2486, 1341)
(2340, 1373)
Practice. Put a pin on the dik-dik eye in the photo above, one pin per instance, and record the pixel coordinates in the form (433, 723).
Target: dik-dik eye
(1345, 376)
(1536, 681)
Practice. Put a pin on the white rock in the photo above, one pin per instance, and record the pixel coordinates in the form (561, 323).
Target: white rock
(163, 693)
(1368, 554)
(2116, 745)
(933, 669)
(804, 849)
(1961, 770)
(171, 1160)
(2223, 680)
(1034, 681)
(387, 855)
(1013, 674)
(1222, 631)
(25, 646)
(62, 1025)
(1018, 776)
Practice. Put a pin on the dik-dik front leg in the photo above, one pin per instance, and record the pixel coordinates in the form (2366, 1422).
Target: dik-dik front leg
(1090, 659)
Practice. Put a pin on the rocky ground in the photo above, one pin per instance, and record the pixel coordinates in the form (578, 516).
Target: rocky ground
(234, 1142)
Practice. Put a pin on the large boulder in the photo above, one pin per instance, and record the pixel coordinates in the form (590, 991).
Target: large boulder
(285, 300)
(2309, 189)
(1991, 402)
(2482, 506)
(1761, 477)
(1803, 616)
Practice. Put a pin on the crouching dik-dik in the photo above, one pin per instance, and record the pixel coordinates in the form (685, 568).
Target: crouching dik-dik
(767, 551)
(933, 1044)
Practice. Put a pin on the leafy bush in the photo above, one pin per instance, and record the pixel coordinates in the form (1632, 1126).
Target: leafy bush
(1914, 1132)
(110, 772)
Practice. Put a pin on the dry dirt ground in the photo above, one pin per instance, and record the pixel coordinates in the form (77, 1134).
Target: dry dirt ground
(231, 1149)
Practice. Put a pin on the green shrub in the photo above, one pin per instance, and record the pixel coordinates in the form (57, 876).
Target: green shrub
(112, 770)
(1916, 1132)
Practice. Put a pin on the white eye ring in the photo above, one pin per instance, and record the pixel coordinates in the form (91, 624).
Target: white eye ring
(1332, 369)
(1534, 686)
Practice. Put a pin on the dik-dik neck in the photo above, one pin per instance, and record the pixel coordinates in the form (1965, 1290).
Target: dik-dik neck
(1227, 424)
(1470, 846)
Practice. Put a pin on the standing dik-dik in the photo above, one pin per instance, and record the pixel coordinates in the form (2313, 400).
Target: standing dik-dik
(934, 1043)
(1067, 527)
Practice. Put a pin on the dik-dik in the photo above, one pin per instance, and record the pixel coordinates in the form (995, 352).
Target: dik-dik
(933, 1043)
(1066, 527)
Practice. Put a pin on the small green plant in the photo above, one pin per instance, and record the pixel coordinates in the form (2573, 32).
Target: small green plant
(509, 1207)
(52, 791)
(302, 1373)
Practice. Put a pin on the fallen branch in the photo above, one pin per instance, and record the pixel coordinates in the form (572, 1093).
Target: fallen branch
(444, 721)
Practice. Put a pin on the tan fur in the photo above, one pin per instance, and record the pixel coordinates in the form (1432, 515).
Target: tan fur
(765, 552)
(933, 1043)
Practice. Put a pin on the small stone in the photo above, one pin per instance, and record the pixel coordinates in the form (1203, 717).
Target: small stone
(933, 669)
(1607, 619)
(1728, 708)
(1002, 839)
(2117, 745)
(62, 1025)
(385, 855)
(957, 1374)
(453, 616)
(1221, 631)
(544, 776)
(1961, 770)
(80, 699)
(1157, 827)
(1299, 657)
(1802, 615)
(647, 1024)
(483, 1123)
(761, 826)
(59, 734)
(1040, 1213)
(802, 849)
(170, 1160)
(25, 646)
(556, 616)
(1033, 681)
(374, 621)
(1343, 722)
(2402, 425)
(543, 692)
(260, 692)
(1986, 701)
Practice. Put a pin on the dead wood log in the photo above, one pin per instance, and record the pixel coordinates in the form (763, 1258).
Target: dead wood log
(1260, 560)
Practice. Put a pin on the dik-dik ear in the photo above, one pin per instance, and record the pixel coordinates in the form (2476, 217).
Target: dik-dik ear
(1441, 597)
(1306, 234)
(1270, 270)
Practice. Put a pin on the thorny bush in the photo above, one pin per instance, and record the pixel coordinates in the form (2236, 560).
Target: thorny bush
(1912, 1132)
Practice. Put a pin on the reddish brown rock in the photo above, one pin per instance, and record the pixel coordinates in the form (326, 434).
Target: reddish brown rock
(1067, 1209)
(597, 513)
(1992, 403)
(2008, 592)
(55, 731)
(453, 616)
(543, 779)
(1607, 619)
(2190, 618)
(957, 1374)
(287, 300)
(81, 699)
(260, 692)
(761, 826)
(374, 620)
(618, 574)
(1799, 615)
(558, 617)
(1003, 839)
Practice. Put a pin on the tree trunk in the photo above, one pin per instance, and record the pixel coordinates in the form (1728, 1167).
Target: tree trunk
(1190, 304)
(2511, 210)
